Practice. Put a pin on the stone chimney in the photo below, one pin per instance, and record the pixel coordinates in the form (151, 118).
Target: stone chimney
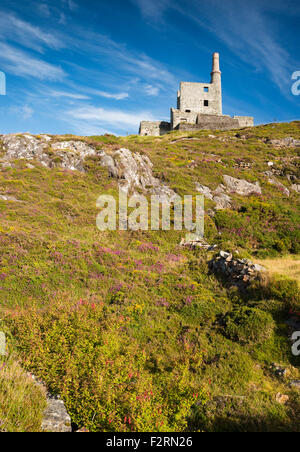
(216, 81)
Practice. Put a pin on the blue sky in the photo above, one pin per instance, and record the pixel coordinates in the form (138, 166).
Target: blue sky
(100, 66)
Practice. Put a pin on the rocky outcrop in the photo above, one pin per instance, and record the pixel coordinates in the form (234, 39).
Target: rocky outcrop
(296, 188)
(65, 154)
(134, 173)
(273, 181)
(287, 142)
(238, 272)
(221, 194)
(132, 170)
(241, 186)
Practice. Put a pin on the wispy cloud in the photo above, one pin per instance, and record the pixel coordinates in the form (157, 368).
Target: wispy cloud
(26, 112)
(153, 9)
(75, 96)
(17, 30)
(21, 63)
(101, 117)
(152, 90)
(256, 41)
(116, 96)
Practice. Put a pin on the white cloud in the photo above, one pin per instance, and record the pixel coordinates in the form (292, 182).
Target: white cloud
(152, 90)
(21, 63)
(14, 29)
(153, 9)
(43, 8)
(26, 112)
(68, 95)
(116, 96)
(113, 118)
(247, 30)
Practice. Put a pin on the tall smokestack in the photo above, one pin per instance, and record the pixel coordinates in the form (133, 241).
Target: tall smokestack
(216, 81)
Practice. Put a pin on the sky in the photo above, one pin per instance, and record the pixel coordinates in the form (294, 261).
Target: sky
(101, 66)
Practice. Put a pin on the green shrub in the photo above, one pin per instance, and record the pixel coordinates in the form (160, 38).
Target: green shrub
(286, 290)
(249, 325)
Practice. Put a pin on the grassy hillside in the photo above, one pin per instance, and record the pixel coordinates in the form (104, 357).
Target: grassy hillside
(132, 330)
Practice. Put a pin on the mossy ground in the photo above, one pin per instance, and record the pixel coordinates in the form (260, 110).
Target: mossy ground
(130, 328)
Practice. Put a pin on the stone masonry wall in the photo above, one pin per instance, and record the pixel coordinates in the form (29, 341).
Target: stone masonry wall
(216, 122)
(154, 128)
(193, 95)
(180, 117)
(245, 121)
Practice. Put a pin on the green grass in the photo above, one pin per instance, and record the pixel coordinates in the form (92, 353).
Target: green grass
(130, 328)
(21, 401)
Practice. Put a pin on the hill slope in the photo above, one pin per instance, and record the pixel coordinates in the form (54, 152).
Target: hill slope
(132, 330)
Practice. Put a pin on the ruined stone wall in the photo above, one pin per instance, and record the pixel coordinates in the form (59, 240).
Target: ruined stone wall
(154, 128)
(181, 117)
(245, 121)
(216, 122)
(211, 122)
(200, 98)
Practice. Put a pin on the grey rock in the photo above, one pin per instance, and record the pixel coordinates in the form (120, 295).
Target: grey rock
(295, 384)
(241, 186)
(259, 268)
(219, 196)
(9, 198)
(108, 161)
(134, 173)
(222, 201)
(285, 142)
(197, 243)
(278, 184)
(205, 191)
(56, 418)
(65, 154)
(224, 254)
(296, 188)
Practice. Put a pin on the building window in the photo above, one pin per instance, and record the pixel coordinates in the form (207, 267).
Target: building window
(206, 89)
(188, 111)
(206, 103)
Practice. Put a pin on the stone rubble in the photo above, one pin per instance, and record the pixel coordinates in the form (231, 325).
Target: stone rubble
(197, 243)
(238, 272)
(281, 398)
(279, 371)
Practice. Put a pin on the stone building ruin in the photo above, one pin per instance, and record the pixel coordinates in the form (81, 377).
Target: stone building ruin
(199, 106)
